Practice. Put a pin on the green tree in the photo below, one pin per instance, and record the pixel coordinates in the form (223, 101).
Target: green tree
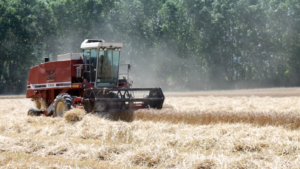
(23, 26)
(76, 20)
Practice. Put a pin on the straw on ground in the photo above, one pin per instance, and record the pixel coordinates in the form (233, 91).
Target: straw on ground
(239, 132)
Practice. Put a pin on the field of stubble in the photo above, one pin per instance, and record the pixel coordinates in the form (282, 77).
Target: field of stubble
(232, 129)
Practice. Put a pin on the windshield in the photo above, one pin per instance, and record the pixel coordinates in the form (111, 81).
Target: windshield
(90, 60)
(108, 68)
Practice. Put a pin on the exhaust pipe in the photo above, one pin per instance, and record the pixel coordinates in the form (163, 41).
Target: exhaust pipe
(46, 60)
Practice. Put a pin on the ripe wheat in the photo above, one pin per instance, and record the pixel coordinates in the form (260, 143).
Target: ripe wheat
(189, 132)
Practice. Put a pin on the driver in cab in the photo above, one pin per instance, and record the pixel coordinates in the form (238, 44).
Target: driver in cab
(104, 67)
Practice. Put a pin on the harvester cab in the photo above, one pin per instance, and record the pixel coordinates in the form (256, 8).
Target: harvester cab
(89, 80)
(102, 62)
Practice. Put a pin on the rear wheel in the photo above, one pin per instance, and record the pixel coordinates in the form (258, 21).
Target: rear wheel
(33, 112)
(62, 103)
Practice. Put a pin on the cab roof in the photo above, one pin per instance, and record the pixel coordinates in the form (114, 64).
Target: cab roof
(94, 43)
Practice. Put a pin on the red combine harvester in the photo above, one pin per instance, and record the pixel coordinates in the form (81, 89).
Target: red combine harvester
(88, 80)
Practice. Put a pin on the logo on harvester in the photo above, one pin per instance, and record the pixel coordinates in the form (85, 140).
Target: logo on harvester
(51, 85)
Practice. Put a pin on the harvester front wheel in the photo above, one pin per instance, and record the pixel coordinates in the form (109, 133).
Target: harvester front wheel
(62, 103)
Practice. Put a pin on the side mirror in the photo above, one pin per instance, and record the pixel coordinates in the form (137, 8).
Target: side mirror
(84, 59)
(78, 72)
(129, 67)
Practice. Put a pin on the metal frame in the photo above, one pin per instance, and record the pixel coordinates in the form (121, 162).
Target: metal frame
(125, 100)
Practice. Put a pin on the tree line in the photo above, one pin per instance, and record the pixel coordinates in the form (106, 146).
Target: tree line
(175, 44)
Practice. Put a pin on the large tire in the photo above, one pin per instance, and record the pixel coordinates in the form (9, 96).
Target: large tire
(62, 103)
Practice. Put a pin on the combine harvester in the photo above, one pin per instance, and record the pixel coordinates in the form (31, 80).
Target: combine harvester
(88, 80)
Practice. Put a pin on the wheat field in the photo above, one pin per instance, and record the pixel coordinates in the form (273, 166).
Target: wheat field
(193, 130)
